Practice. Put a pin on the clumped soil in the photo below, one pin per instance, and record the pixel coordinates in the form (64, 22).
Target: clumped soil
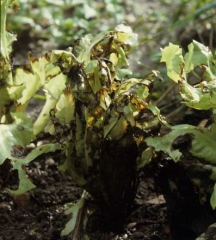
(39, 214)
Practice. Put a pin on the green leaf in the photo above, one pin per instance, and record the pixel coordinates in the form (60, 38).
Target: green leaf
(46, 148)
(112, 122)
(121, 73)
(86, 45)
(203, 142)
(213, 198)
(73, 225)
(52, 93)
(94, 80)
(122, 59)
(6, 38)
(71, 160)
(197, 55)
(190, 94)
(40, 73)
(203, 95)
(145, 158)
(164, 143)
(24, 183)
(16, 135)
(50, 86)
(5, 99)
(156, 112)
(91, 66)
(28, 82)
(17, 163)
(172, 56)
(19, 133)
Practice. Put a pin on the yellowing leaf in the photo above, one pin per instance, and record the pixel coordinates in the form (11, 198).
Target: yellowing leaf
(127, 36)
(94, 80)
(65, 106)
(172, 56)
(114, 59)
(44, 115)
(118, 130)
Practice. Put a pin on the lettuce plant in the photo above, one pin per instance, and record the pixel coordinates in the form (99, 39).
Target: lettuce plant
(100, 117)
(94, 113)
(200, 151)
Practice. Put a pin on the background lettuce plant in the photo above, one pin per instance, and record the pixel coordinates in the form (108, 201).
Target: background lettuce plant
(200, 141)
(67, 20)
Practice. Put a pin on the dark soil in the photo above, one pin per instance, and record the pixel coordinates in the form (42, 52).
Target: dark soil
(39, 214)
